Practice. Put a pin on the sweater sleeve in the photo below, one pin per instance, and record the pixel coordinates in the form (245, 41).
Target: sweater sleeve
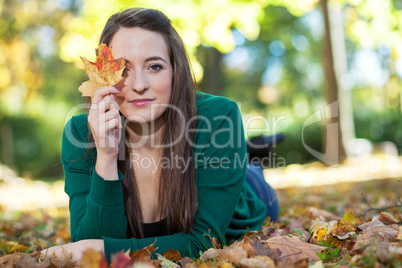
(96, 205)
(220, 162)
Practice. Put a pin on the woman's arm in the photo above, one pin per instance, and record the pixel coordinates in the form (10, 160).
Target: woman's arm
(96, 205)
(76, 248)
(96, 202)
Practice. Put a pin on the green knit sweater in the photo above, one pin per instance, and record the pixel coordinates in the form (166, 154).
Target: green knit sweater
(227, 206)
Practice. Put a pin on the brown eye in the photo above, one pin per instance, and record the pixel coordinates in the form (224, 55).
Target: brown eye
(125, 71)
(156, 68)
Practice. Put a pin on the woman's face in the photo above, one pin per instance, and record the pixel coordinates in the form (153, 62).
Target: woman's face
(147, 83)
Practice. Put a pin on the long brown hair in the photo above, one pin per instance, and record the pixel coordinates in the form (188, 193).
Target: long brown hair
(177, 187)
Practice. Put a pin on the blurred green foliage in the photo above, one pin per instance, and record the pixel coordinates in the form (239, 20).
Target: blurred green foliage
(266, 55)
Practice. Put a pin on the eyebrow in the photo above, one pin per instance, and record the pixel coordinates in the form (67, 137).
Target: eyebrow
(150, 59)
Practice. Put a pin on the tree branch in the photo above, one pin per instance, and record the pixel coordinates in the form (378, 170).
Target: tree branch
(380, 209)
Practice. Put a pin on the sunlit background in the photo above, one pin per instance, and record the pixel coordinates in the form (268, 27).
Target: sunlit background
(283, 62)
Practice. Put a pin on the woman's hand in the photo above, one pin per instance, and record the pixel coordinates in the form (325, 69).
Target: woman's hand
(105, 124)
(76, 248)
(104, 121)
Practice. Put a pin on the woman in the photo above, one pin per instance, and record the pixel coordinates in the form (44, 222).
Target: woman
(169, 162)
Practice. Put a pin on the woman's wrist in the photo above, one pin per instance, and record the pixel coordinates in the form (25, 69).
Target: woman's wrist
(106, 167)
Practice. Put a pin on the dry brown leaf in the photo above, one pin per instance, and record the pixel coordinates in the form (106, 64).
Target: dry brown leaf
(394, 249)
(342, 230)
(399, 236)
(257, 248)
(185, 261)
(142, 255)
(381, 251)
(143, 265)
(172, 255)
(27, 260)
(233, 253)
(215, 243)
(257, 262)
(295, 224)
(314, 213)
(302, 264)
(10, 259)
(23, 260)
(211, 254)
(375, 222)
(91, 259)
(294, 249)
(285, 264)
(387, 218)
(378, 233)
(104, 72)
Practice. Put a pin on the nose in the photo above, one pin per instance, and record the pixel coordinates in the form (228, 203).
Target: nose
(138, 81)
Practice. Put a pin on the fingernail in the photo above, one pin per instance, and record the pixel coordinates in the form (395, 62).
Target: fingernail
(119, 89)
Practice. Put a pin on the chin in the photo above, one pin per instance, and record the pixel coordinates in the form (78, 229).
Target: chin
(142, 119)
(139, 119)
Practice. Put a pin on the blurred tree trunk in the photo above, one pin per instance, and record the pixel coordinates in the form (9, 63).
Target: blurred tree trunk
(335, 64)
(211, 60)
(7, 153)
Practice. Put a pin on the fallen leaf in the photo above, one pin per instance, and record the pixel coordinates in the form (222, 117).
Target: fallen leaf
(373, 223)
(295, 224)
(314, 213)
(387, 218)
(319, 229)
(185, 261)
(399, 236)
(376, 233)
(321, 233)
(257, 248)
(120, 260)
(381, 251)
(104, 72)
(257, 262)
(222, 265)
(394, 249)
(211, 254)
(335, 241)
(172, 255)
(90, 258)
(10, 259)
(166, 263)
(143, 265)
(142, 255)
(215, 243)
(294, 249)
(13, 246)
(28, 260)
(348, 217)
(343, 229)
(233, 253)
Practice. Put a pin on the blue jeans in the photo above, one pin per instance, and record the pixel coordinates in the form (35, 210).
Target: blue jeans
(264, 191)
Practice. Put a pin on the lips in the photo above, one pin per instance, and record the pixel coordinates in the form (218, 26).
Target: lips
(141, 102)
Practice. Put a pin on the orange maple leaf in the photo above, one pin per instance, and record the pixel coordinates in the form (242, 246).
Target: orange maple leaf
(104, 72)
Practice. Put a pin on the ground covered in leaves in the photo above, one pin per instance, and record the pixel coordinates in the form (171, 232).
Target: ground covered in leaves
(345, 224)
